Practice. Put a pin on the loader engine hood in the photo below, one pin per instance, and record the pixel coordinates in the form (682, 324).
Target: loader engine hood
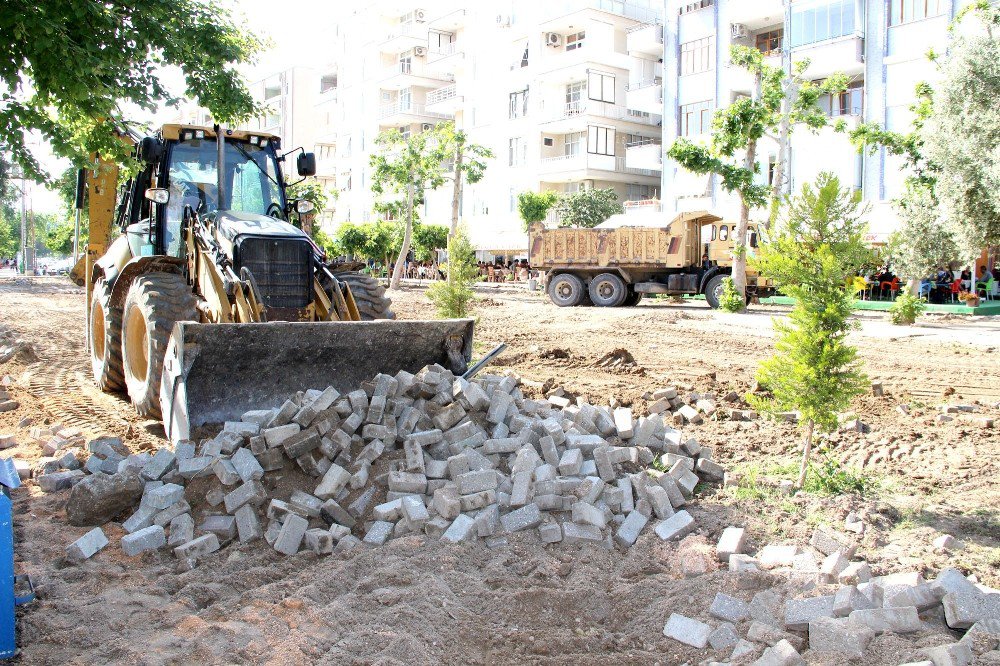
(232, 224)
(278, 256)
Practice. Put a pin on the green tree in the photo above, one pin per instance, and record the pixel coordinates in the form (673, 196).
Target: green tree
(814, 370)
(468, 164)
(10, 225)
(776, 104)
(923, 243)
(588, 208)
(534, 206)
(311, 190)
(408, 167)
(69, 68)
(453, 296)
(350, 240)
(428, 239)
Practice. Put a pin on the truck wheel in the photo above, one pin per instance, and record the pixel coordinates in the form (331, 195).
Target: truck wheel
(566, 290)
(155, 302)
(713, 291)
(632, 299)
(104, 339)
(369, 296)
(607, 290)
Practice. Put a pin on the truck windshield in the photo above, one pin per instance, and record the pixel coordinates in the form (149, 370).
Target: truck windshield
(250, 179)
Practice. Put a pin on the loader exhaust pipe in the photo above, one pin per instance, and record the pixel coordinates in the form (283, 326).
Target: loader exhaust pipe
(220, 163)
(214, 373)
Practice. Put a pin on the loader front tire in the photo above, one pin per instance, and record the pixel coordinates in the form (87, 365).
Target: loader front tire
(104, 339)
(155, 302)
(369, 296)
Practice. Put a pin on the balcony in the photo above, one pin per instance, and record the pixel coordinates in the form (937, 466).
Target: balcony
(840, 54)
(740, 80)
(445, 100)
(645, 40)
(623, 8)
(575, 116)
(644, 154)
(572, 168)
(404, 36)
(406, 113)
(414, 73)
(444, 60)
(642, 206)
(646, 96)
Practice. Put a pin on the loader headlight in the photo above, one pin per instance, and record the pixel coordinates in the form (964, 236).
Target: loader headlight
(303, 206)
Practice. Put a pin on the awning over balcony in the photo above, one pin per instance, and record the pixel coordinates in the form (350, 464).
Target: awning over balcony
(498, 241)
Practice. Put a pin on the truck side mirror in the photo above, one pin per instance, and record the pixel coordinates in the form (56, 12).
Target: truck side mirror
(306, 164)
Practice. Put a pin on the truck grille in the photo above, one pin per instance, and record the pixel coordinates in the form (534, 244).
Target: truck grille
(282, 268)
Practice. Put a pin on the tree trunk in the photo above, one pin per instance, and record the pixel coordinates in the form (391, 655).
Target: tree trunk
(397, 271)
(739, 243)
(914, 286)
(456, 192)
(784, 149)
(307, 223)
(805, 454)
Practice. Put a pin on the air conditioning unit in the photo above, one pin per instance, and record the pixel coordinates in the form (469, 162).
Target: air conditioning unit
(419, 15)
(553, 38)
(503, 20)
(420, 51)
(739, 31)
(426, 127)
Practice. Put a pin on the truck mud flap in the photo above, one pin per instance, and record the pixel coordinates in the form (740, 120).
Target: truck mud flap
(214, 373)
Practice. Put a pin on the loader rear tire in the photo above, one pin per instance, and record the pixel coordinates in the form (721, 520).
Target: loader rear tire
(369, 296)
(155, 302)
(104, 339)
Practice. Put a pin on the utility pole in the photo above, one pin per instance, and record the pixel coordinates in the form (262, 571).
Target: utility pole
(24, 226)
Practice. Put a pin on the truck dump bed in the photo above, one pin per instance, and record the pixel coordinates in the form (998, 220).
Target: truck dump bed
(673, 245)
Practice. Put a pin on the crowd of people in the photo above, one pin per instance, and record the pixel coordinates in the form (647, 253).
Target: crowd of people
(497, 271)
(513, 271)
(943, 286)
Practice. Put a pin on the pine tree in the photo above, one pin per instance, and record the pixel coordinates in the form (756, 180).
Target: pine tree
(818, 247)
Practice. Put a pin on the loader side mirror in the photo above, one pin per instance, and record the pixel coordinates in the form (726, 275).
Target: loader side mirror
(158, 195)
(302, 206)
(306, 164)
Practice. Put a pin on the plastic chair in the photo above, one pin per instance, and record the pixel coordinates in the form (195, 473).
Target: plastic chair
(987, 288)
(925, 288)
(892, 286)
(956, 288)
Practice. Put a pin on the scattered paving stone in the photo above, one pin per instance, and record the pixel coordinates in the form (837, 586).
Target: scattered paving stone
(686, 630)
(87, 546)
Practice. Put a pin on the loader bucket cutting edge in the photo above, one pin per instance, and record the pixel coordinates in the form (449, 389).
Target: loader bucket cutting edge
(216, 372)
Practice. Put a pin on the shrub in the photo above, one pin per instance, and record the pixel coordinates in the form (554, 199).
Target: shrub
(452, 297)
(831, 477)
(731, 300)
(906, 309)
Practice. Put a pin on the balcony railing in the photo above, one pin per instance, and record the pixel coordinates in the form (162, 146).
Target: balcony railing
(411, 29)
(442, 94)
(644, 141)
(443, 51)
(582, 161)
(642, 204)
(413, 69)
(604, 110)
(619, 7)
(644, 83)
(388, 110)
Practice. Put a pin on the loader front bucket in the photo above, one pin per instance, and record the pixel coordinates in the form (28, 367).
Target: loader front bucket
(216, 372)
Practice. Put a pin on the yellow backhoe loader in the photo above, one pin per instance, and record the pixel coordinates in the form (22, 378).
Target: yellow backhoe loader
(209, 303)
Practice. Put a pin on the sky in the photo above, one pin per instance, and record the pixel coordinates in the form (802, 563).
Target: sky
(297, 32)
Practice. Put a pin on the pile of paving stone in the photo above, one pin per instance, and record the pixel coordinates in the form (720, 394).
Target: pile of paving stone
(428, 453)
(835, 608)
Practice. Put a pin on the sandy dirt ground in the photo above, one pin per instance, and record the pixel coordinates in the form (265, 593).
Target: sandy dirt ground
(413, 602)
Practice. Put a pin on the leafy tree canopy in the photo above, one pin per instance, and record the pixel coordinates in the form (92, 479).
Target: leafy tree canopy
(70, 67)
(534, 206)
(588, 208)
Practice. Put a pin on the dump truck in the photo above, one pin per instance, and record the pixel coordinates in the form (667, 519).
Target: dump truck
(612, 267)
(209, 302)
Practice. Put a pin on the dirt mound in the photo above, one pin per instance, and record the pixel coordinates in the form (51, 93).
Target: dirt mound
(620, 360)
(555, 353)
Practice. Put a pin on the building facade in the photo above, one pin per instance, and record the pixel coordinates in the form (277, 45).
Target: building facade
(578, 94)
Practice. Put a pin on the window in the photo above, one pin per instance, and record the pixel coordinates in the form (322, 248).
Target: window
(601, 87)
(723, 233)
(326, 151)
(513, 199)
(272, 87)
(405, 131)
(574, 42)
(904, 11)
(327, 83)
(574, 96)
(697, 56)
(635, 192)
(601, 140)
(517, 151)
(815, 22)
(769, 42)
(695, 6)
(520, 55)
(405, 99)
(696, 118)
(518, 104)
(572, 143)
(440, 42)
(848, 103)
(406, 62)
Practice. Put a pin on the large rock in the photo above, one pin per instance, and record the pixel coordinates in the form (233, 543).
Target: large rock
(101, 497)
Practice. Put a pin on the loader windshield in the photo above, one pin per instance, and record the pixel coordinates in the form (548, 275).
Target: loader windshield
(250, 177)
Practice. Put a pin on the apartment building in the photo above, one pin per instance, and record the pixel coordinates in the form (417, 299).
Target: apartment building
(880, 44)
